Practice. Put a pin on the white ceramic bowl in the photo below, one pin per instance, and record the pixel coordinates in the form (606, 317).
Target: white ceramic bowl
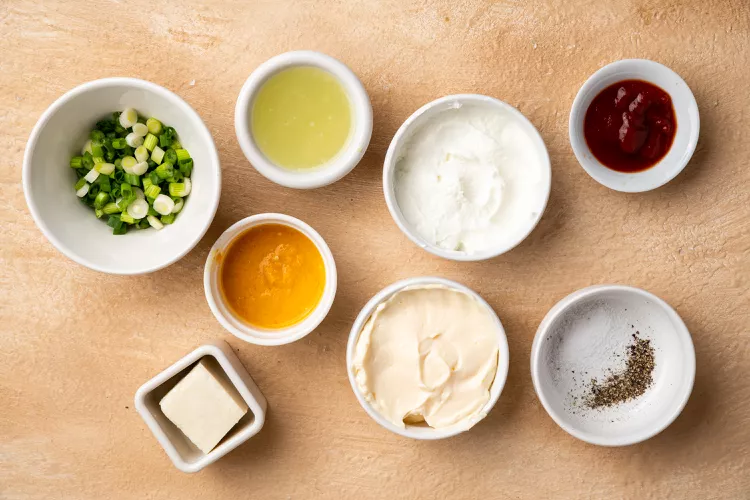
(346, 160)
(413, 123)
(183, 453)
(561, 343)
(425, 432)
(72, 227)
(242, 329)
(686, 114)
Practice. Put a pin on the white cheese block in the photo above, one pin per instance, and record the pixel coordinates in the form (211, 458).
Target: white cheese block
(204, 405)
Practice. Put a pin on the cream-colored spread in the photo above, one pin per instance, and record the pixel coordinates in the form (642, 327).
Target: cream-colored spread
(429, 354)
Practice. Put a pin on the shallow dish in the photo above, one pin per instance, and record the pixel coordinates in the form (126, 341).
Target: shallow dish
(567, 338)
(423, 431)
(346, 160)
(413, 123)
(69, 225)
(183, 453)
(242, 329)
(686, 135)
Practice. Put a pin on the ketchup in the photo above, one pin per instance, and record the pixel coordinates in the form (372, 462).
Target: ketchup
(630, 125)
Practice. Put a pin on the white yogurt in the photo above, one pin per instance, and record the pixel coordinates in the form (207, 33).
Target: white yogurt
(471, 178)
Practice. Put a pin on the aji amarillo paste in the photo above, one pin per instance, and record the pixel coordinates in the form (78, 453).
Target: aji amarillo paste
(272, 276)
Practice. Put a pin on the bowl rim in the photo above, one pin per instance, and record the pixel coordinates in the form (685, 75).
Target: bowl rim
(245, 331)
(540, 339)
(82, 89)
(592, 166)
(496, 389)
(389, 166)
(347, 158)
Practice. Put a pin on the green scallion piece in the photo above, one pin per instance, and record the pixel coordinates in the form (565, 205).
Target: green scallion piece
(143, 224)
(87, 161)
(76, 162)
(153, 212)
(152, 191)
(101, 199)
(164, 171)
(96, 150)
(119, 143)
(104, 184)
(179, 189)
(147, 182)
(111, 208)
(157, 155)
(120, 229)
(170, 156)
(186, 167)
(78, 185)
(150, 141)
(182, 154)
(155, 179)
(96, 136)
(98, 212)
(176, 144)
(168, 219)
(98, 159)
(133, 179)
(125, 217)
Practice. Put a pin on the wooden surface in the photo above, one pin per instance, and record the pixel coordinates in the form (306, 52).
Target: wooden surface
(72, 359)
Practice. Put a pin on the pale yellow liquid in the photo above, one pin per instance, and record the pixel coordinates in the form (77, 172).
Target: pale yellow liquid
(301, 118)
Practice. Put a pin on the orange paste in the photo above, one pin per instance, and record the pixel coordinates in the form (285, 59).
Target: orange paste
(272, 276)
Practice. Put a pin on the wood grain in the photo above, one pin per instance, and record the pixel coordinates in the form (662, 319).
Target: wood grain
(68, 429)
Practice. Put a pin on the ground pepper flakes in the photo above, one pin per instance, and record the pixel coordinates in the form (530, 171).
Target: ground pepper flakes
(629, 384)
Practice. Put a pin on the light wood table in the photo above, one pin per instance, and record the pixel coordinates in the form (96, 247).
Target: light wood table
(72, 359)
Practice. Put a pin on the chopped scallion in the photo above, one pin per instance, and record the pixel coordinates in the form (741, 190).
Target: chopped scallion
(150, 141)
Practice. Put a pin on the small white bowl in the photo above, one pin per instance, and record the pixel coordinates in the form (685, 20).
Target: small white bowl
(240, 328)
(686, 114)
(402, 137)
(183, 453)
(72, 227)
(562, 343)
(425, 432)
(357, 143)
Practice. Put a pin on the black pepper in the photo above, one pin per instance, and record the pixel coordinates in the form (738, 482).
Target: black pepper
(629, 384)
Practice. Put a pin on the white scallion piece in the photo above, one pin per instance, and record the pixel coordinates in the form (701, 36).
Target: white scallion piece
(133, 140)
(128, 118)
(155, 223)
(83, 191)
(128, 163)
(140, 168)
(105, 168)
(178, 205)
(138, 209)
(163, 204)
(139, 194)
(86, 148)
(142, 154)
(91, 176)
(140, 129)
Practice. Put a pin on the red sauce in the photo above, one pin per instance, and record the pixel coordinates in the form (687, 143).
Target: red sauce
(630, 125)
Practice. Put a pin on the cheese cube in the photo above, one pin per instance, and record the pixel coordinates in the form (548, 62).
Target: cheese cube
(204, 405)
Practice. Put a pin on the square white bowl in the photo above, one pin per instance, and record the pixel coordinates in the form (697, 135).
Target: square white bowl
(183, 453)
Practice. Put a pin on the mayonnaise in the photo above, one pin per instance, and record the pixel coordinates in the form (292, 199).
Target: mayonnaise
(471, 179)
(429, 354)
